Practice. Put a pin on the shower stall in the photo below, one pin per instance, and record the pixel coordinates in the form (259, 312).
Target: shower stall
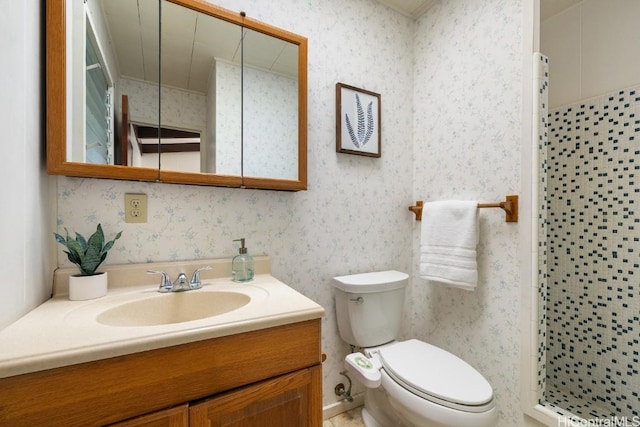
(589, 212)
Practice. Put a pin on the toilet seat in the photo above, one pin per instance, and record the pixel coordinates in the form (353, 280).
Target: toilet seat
(436, 375)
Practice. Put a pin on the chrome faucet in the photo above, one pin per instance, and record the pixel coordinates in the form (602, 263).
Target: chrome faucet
(181, 283)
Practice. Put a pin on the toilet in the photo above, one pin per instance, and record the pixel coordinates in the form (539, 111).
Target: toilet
(409, 383)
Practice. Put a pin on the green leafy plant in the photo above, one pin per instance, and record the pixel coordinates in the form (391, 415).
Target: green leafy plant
(87, 254)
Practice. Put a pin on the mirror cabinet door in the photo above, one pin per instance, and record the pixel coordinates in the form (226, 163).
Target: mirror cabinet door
(113, 63)
(201, 92)
(131, 37)
(270, 107)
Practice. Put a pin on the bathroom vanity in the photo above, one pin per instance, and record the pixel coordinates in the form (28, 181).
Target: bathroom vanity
(255, 365)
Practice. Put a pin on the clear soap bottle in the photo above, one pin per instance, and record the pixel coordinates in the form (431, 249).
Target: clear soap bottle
(242, 265)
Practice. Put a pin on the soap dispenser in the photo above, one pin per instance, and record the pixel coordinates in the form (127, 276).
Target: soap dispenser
(242, 265)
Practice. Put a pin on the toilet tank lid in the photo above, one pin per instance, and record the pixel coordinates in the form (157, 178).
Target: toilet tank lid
(371, 282)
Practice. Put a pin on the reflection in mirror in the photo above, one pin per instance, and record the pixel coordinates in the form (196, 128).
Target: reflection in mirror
(270, 107)
(99, 111)
(180, 148)
(248, 123)
(201, 87)
(133, 29)
(117, 46)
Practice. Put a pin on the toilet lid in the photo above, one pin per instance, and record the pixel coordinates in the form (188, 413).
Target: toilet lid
(431, 371)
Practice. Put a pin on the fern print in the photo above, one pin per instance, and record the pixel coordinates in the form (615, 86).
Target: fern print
(364, 131)
(352, 135)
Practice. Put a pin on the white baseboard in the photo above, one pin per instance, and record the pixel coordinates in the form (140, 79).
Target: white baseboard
(341, 406)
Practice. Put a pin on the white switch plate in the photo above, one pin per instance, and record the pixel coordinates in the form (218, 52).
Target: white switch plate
(135, 208)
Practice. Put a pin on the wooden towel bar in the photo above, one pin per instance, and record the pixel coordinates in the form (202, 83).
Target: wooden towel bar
(510, 207)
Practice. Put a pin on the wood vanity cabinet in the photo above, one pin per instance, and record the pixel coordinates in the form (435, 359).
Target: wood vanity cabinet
(267, 378)
(283, 401)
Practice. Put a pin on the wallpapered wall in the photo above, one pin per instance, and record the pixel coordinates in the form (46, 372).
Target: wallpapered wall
(354, 216)
(461, 64)
(467, 127)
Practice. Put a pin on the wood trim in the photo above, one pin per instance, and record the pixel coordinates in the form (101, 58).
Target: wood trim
(273, 184)
(315, 397)
(56, 88)
(88, 170)
(110, 390)
(235, 18)
(177, 177)
(302, 114)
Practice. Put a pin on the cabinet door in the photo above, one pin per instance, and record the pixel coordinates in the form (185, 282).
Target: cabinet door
(289, 400)
(173, 417)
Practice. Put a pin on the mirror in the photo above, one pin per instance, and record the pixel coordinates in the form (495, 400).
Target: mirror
(218, 99)
(269, 108)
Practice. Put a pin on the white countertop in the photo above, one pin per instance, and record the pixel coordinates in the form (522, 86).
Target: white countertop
(61, 332)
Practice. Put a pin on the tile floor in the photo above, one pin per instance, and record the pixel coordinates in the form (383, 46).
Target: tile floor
(351, 418)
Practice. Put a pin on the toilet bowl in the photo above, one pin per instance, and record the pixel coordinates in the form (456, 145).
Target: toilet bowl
(428, 386)
(409, 383)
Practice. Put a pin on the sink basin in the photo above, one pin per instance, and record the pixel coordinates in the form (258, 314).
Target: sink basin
(173, 308)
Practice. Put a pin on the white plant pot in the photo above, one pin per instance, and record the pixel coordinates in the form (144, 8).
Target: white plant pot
(87, 287)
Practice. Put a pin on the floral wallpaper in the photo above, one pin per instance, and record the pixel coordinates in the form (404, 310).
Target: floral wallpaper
(450, 86)
(467, 132)
(180, 108)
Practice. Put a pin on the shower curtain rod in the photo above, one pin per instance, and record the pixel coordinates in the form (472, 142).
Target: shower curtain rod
(510, 207)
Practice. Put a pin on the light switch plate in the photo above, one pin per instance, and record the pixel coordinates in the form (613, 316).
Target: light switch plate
(135, 208)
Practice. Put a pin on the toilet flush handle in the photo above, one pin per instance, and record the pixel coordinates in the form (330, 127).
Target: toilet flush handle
(358, 300)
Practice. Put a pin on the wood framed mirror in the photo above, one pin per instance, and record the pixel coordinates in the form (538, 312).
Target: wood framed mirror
(196, 94)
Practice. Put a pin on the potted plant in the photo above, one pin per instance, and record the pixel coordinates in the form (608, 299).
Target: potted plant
(87, 255)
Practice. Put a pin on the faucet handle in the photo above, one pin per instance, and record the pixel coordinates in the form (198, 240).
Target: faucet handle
(196, 283)
(165, 282)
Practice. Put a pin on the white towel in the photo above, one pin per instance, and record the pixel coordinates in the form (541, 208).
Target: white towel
(448, 242)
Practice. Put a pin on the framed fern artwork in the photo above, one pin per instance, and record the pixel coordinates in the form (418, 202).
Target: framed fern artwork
(357, 121)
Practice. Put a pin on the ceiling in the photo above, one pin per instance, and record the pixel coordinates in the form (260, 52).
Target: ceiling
(415, 8)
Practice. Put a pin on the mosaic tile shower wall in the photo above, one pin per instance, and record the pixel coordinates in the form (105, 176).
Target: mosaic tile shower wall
(593, 294)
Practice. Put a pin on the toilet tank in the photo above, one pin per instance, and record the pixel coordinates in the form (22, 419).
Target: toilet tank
(369, 306)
